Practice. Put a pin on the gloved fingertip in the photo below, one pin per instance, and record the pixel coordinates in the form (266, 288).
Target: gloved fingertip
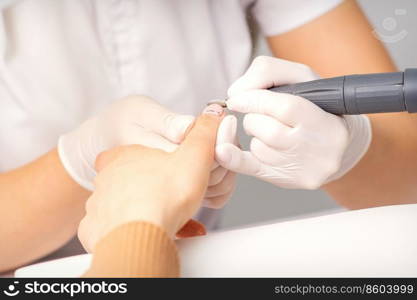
(227, 130)
(232, 120)
(223, 154)
(238, 102)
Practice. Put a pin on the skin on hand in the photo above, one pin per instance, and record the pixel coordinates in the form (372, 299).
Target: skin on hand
(41, 207)
(136, 183)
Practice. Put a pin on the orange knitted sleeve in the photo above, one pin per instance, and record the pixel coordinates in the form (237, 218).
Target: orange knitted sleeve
(136, 249)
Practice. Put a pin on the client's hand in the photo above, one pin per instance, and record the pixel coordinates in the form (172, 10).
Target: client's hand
(136, 183)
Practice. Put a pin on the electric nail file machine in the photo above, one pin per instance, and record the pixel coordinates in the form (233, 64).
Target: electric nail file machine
(358, 94)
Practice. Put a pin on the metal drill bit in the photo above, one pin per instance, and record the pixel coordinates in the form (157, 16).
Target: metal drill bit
(221, 102)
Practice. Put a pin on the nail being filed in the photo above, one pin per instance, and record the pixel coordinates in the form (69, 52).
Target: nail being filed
(214, 109)
(222, 103)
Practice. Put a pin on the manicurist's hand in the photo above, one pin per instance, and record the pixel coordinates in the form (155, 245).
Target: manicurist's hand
(133, 120)
(137, 183)
(295, 143)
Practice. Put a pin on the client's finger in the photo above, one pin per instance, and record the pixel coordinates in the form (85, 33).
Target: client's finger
(201, 139)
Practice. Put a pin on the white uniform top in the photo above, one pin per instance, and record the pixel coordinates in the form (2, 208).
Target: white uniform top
(62, 61)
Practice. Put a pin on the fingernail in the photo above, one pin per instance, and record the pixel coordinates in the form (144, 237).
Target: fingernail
(213, 109)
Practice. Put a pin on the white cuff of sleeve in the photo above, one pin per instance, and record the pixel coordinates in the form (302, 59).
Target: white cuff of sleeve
(360, 136)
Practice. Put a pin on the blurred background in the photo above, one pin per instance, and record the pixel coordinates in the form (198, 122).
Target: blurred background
(395, 24)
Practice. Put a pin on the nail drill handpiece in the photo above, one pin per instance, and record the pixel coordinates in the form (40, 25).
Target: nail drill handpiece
(358, 94)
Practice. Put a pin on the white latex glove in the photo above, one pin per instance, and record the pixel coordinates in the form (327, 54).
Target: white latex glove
(295, 143)
(134, 120)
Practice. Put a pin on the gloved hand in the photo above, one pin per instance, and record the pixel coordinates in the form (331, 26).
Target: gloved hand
(295, 143)
(134, 120)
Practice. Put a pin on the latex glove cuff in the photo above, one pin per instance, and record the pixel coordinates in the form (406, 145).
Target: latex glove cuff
(360, 136)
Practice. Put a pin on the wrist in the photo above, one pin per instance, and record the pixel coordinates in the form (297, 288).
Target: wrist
(153, 214)
(135, 249)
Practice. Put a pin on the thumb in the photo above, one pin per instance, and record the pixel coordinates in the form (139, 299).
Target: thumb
(197, 150)
(201, 139)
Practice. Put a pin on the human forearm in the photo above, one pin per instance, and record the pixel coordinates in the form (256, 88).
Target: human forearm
(41, 207)
(338, 43)
(387, 173)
